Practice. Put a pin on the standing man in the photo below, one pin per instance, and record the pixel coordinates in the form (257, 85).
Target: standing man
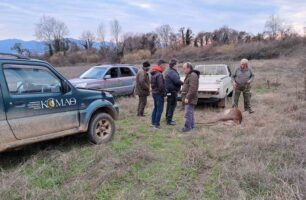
(242, 79)
(158, 92)
(173, 86)
(142, 87)
(190, 95)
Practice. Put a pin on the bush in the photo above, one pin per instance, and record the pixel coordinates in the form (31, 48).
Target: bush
(136, 56)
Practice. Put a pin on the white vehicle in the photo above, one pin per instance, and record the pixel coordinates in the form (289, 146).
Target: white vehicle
(214, 84)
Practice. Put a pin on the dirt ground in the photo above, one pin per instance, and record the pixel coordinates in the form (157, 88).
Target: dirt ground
(263, 158)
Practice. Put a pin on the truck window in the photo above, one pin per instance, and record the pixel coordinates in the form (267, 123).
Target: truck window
(113, 72)
(126, 72)
(24, 79)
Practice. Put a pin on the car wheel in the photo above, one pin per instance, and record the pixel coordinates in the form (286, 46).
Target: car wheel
(101, 128)
(222, 103)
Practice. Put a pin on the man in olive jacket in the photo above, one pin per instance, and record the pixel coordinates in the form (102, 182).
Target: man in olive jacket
(190, 95)
(242, 79)
(142, 87)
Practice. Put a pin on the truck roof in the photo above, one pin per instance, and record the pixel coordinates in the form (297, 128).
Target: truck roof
(17, 57)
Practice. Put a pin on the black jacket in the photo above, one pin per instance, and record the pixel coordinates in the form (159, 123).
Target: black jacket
(173, 82)
(158, 83)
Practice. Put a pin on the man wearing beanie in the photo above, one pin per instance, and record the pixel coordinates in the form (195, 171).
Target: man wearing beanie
(142, 87)
(173, 86)
(158, 92)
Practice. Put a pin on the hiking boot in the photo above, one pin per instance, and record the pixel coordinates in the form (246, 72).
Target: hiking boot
(156, 128)
(186, 130)
(172, 123)
(251, 111)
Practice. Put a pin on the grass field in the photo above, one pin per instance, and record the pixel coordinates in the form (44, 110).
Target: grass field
(263, 158)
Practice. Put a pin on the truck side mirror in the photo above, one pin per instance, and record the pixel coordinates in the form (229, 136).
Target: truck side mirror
(65, 87)
(107, 77)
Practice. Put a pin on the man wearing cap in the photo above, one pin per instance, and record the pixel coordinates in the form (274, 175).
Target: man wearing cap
(158, 92)
(173, 85)
(142, 87)
(242, 78)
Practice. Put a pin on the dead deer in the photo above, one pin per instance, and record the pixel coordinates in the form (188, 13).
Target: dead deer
(233, 114)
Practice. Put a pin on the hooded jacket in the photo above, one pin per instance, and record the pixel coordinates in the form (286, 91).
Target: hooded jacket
(157, 81)
(190, 87)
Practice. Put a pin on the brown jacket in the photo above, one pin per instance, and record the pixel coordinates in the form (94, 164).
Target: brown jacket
(190, 87)
(142, 83)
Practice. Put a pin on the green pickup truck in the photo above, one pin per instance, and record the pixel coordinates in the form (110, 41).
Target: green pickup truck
(37, 103)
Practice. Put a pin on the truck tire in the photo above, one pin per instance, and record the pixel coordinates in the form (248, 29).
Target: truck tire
(101, 128)
(222, 103)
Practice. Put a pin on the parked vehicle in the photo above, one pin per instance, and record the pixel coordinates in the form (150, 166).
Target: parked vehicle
(214, 83)
(37, 103)
(120, 79)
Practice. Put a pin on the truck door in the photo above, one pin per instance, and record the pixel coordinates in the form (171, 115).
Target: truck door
(127, 80)
(112, 80)
(36, 104)
(6, 134)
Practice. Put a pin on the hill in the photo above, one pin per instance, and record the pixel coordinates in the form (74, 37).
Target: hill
(34, 46)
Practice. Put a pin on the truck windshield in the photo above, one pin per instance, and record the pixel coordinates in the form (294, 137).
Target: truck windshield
(94, 73)
(212, 69)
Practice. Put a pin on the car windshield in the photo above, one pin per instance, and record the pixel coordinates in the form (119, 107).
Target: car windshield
(212, 69)
(94, 73)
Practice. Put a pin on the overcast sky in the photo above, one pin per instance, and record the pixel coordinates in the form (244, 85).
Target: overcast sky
(18, 17)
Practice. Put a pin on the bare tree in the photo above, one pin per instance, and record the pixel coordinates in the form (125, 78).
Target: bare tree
(101, 32)
(182, 33)
(22, 51)
(188, 36)
(274, 26)
(116, 31)
(52, 32)
(88, 39)
(164, 33)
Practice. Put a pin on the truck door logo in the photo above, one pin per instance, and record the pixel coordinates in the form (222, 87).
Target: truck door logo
(52, 103)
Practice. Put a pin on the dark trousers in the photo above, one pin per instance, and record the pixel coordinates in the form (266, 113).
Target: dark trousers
(189, 116)
(171, 105)
(141, 105)
(158, 109)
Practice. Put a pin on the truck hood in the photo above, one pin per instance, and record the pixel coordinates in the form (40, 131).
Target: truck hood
(78, 81)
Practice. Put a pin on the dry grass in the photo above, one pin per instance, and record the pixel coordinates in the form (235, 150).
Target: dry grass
(263, 158)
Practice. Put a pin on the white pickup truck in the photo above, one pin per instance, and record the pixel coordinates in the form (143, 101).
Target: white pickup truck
(214, 84)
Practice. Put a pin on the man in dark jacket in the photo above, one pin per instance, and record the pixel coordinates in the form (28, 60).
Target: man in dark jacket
(158, 92)
(190, 95)
(173, 85)
(142, 87)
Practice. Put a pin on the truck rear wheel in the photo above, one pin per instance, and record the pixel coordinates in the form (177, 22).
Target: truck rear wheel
(101, 128)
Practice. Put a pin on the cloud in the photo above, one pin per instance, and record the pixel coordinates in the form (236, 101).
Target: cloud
(19, 17)
(293, 13)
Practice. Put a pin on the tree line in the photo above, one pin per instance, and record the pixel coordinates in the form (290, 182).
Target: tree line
(54, 33)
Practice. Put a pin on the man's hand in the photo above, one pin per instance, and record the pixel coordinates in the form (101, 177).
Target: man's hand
(234, 84)
(249, 82)
(186, 101)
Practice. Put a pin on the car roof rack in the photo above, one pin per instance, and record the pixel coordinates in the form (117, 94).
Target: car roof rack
(11, 56)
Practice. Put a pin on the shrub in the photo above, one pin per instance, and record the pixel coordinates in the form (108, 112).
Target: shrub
(136, 56)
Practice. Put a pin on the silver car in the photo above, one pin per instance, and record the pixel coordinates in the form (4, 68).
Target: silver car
(120, 79)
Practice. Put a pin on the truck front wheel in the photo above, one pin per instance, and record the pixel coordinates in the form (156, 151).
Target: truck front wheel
(101, 128)
(222, 103)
